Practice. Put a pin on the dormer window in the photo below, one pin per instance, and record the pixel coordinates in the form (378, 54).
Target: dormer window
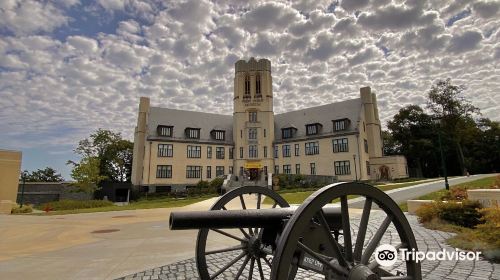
(192, 133)
(313, 129)
(341, 124)
(288, 132)
(165, 130)
(247, 87)
(218, 135)
(258, 92)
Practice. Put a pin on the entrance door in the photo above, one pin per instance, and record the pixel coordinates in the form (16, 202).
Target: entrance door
(254, 174)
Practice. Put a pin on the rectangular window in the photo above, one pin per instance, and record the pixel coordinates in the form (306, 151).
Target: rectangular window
(342, 167)
(264, 132)
(313, 168)
(286, 133)
(311, 129)
(312, 148)
(193, 151)
(193, 171)
(209, 172)
(219, 171)
(276, 169)
(241, 170)
(193, 133)
(231, 153)
(241, 133)
(297, 150)
(368, 167)
(230, 170)
(287, 169)
(219, 134)
(252, 151)
(252, 133)
(165, 150)
(164, 171)
(265, 151)
(366, 146)
(297, 168)
(276, 151)
(339, 125)
(241, 152)
(252, 117)
(219, 152)
(340, 145)
(209, 151)
(164, 130)
(286, 150)
(265, 170)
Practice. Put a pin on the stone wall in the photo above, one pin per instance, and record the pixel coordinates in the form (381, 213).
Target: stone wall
(42, 192)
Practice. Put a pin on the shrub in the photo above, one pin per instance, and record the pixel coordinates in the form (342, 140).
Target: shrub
(216, 183)
(22, 210)
(458, 193)
(74, 204)
(203, 184)
(427, 212)
(463, 214)
(489, 231)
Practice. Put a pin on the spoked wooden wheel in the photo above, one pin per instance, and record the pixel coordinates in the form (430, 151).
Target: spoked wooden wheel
(307, 241)
(237, 253)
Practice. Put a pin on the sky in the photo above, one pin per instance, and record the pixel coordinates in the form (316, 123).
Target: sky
(68, 67)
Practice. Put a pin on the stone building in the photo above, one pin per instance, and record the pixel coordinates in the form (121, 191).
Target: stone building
(176, 148)
(10, 169)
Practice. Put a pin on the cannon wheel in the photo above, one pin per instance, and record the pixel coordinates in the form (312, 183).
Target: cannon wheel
(348, 260)
(247, 236)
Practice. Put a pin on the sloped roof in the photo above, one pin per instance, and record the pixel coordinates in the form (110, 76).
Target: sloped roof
(181, 119)
(321, 114)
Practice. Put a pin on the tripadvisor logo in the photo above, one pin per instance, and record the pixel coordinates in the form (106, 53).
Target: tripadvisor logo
(387, 255)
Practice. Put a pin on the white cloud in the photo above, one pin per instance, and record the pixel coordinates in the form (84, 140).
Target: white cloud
(30, 17)
(54, 90)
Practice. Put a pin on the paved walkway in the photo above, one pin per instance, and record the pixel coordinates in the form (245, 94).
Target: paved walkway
(403, 194)
(428, 240)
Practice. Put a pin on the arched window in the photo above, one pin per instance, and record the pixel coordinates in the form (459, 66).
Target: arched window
(258, 92)
(247, 85)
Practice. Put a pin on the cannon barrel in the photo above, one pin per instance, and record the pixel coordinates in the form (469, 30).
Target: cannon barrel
(249, 218)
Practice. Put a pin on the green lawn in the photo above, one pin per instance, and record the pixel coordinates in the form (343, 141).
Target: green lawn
(297, 196)
(476, 184)
(142, 204)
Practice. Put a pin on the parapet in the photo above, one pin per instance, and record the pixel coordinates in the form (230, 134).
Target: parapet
(253, 65)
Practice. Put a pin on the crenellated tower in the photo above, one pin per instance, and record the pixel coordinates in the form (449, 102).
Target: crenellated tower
(253, 118)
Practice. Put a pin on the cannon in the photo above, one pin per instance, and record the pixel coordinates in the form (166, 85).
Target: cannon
(253, 233)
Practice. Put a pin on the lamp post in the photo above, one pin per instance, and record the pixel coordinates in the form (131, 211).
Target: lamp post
(443, 163)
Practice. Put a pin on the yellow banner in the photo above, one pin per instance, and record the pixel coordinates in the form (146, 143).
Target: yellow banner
(251, 165)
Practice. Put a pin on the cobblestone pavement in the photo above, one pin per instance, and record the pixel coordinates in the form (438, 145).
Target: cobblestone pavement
(428, 240)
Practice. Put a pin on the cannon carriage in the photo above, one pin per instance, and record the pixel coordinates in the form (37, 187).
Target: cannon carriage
(252, 233)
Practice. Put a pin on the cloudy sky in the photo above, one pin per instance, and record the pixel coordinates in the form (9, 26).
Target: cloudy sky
(68, 67)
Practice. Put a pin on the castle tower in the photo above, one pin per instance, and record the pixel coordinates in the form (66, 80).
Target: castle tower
(139, 142)
(253, 118)
(373, 127)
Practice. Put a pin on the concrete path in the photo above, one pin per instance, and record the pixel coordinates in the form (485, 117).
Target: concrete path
(403, 194)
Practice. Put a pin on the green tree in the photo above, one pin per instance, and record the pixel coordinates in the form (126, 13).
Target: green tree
(87, 174)
(411, 134)
(113, 152)
(447, 103)
(48, 174)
